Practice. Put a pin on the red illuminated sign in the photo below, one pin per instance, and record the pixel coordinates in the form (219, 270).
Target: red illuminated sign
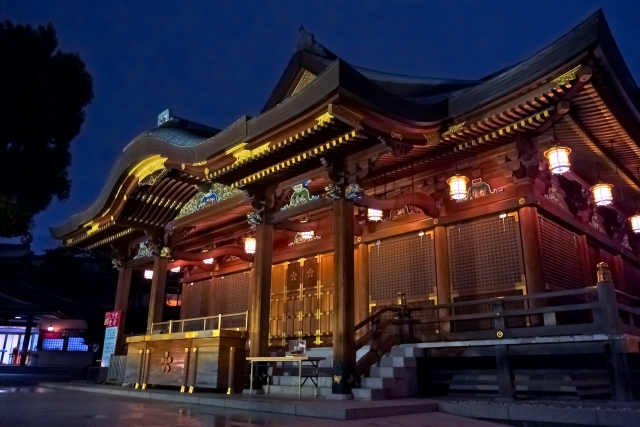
(112, 318)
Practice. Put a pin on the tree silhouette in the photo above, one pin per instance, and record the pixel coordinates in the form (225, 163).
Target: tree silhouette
(43, 93)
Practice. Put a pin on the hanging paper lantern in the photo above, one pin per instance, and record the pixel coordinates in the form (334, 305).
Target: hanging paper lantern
(307, 235)
(250, 245)
(602, 194)
(208, 261)
(175, 270)
(374, 215)
(50, 329)
(458, 186)
(635, 223)
(558, 159)
(148, 274)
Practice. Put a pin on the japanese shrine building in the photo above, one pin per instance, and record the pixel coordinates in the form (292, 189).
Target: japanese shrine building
(353, 185)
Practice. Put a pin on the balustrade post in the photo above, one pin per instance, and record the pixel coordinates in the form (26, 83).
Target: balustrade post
(499, 322)
(232, 365)
(170, 325)
(219, 321)
(607, 299)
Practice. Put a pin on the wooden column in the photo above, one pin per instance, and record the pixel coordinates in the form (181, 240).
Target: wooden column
(443, 281)
(261, 291)
(344, 355)
(531, 251)
(25, 341)
(122, 296)
(157, 297)
(361, 290)
(506, 389)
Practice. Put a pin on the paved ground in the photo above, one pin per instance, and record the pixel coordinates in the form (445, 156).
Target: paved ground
(34, 406)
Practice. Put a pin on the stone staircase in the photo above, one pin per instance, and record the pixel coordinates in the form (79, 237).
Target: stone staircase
(393, 376)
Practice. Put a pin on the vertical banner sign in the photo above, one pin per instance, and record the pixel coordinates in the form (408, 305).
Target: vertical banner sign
(109, 347)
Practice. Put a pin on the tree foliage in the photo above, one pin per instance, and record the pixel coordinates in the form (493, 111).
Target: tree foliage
(43, 93)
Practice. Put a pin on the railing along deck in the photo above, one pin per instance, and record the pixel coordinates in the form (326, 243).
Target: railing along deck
(235, 321)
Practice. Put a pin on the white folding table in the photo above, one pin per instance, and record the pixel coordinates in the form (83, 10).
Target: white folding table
(313, 361)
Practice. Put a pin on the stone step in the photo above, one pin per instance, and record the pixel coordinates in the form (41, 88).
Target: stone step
(397, 362)
(388, 372)
(291, 390)
(291, 380)
(377, 383)
(368, 394)
(407, 352)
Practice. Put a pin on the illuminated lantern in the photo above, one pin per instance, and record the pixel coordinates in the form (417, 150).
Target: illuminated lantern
(50, 329)
(602, 194)
(307, 235)
(458, 186)
(558, 159)
(374, 215)
(175, 270)
(208, 261)
(148, 274)
(635, 223)
(250, 245)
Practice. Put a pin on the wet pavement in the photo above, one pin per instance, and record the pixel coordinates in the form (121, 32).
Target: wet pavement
(35, 406)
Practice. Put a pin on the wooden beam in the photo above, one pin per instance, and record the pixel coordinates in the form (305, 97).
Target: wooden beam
(122, 300)
(157, 298)
(261, 291)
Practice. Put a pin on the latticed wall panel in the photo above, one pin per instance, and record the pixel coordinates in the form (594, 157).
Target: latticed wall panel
(594, 259)
(198, 299)
(561, 260)
(302, 300)
(485, 254)
(404, 264)
(483, 324)
(232, 293)
(632, 279)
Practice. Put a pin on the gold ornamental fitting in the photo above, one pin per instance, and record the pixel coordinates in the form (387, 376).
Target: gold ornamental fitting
(604, 275)
(500, 334)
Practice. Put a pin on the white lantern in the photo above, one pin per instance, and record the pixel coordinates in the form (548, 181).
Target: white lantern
(250, 245)
(208, 261)
(50, 329)
(458, 186)
(635, 223)
(374, 215)
(148, 274)
(558, 159)
(307, 235)
(602, 194)
(175, 270)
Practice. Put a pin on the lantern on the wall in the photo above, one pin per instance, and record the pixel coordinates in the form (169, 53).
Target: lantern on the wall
(307, 235)
(458, 186)
(208, 261)
(635, 223)
(148, 274)
(250, 245)
(175, 270)
(602, 194)
(374, 215)
(558, 159)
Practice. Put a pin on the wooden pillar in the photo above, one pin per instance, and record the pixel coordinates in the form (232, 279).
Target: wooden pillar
(261, 291)
(584, 260)
(443, 278)
(25, 340)
(157, 297)
(361, 290)
(506, 390)
(531, 250)
(122, 296)
(344, 355)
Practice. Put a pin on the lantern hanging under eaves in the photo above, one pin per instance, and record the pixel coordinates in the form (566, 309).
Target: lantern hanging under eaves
(602, 194)
(374, 215)
(558, 159)
(458, 186)
(175, 270)
(148, 274)
(208, 261)
(250, 245)
(635, 223)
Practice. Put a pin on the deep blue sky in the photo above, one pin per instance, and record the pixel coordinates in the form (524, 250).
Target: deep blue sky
(213, 62)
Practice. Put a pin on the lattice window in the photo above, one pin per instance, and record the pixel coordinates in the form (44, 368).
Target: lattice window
(561, 259)
(402, 264)
(233, 293)
(77, 344)
(485, 254)
(198, 299)
(483, 324)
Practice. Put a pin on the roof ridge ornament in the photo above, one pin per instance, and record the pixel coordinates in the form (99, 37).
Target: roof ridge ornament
(307, 41)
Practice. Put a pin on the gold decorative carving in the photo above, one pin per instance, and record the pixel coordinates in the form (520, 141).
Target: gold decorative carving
(305, 80)
(191, 335)
(500, 334)
(216, 333)
(396, 135)
(337, 379)
(347, 115)
(454, 129)
(567, 77)
(201, 163)
(166, 336)
(325, 118)
(148, 166)
(432, 138)
(243, 155)
(166, 362)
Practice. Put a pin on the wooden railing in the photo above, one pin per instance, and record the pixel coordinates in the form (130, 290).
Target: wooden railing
(589, 311)
(236, 321)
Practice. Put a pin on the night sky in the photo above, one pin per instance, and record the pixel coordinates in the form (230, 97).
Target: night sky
(212, 62)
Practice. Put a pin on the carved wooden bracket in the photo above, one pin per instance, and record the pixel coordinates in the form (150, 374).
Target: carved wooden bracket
(418, 199)
(395, 146)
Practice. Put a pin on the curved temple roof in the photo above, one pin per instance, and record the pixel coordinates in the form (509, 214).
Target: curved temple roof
(417, 101)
